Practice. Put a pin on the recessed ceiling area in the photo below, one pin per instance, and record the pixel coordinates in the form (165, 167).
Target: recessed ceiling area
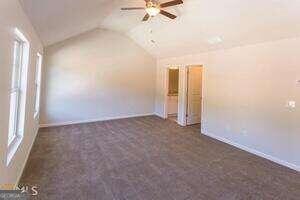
(236, 22)
(57, 20)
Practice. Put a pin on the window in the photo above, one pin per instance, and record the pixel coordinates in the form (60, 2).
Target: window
(38, 84)
(18, 93)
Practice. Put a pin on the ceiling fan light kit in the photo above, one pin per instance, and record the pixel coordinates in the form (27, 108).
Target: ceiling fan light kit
(152, 11)
(153, 8)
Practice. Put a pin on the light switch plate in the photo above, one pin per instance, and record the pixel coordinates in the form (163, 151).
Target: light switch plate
(291, 104)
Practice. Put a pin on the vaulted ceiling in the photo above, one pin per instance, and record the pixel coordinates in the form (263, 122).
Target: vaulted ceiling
(202, 25)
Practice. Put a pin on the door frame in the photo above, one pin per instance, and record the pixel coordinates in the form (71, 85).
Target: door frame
(166, 90)
(182, 92)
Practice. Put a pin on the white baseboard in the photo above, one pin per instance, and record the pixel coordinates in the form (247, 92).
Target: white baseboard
(93, 120)
(253, 151)
(27, 156)
(160, 115)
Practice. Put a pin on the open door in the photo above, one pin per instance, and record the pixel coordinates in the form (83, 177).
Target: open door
(194, 95)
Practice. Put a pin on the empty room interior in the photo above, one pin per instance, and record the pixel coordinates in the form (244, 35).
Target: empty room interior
(150, 99)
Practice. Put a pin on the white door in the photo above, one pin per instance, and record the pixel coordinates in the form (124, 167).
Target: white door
(194, 95)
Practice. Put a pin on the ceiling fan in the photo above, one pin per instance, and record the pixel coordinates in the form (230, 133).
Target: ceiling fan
(153, 8)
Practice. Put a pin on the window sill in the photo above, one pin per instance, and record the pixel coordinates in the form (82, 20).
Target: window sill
(12, 148)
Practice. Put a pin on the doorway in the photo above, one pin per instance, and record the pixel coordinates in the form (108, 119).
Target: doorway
(194, 94)
(184, 103)
(173, 91)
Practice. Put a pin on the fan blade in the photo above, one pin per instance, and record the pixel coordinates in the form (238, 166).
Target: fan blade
(146, 17)
(133, 8)
(171, 3)
(167, 14)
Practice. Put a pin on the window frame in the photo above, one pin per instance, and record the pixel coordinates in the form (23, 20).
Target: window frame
(38, 79)
(15, 93)
(21, 53)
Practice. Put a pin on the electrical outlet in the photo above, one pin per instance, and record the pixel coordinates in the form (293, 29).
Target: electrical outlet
(244, 132)
(228, 128)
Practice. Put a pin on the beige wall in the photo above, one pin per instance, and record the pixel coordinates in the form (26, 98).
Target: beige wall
(245, 94)
(12, 16)
(96, 76)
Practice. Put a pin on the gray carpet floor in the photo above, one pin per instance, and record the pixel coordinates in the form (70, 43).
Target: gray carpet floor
(149, 158)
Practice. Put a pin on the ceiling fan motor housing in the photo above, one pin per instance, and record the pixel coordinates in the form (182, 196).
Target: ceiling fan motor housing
(150, 4)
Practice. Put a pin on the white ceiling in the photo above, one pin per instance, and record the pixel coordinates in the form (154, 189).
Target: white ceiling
(236, 22)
